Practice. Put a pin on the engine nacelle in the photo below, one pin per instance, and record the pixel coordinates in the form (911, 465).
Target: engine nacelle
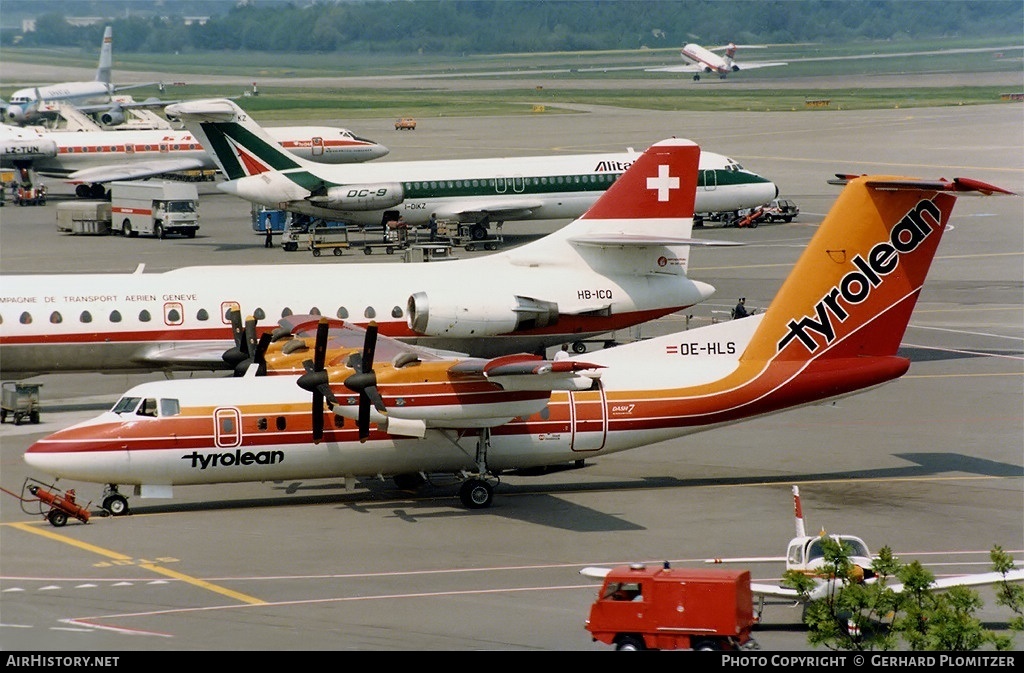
(456, 316)
(360, 196)
(26, 148)
(16, 114)
(112, 117)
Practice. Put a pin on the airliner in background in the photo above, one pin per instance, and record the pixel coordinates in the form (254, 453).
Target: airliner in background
(621, 264)
(92, 158)
(701, 60)
(96, 98)
(474, 191)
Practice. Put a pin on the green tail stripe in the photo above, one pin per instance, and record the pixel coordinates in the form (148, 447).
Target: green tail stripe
(270, 154)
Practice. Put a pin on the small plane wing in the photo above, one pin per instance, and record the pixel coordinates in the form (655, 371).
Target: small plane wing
(134, 171)
(690, 67)
(979, 579)
(774, 591)
(595, 572)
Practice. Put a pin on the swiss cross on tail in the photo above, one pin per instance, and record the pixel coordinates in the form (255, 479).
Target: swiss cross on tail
(660, 184)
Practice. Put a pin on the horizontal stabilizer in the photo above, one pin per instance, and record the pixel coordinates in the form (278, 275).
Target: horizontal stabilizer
(959, 185)
(639, 240)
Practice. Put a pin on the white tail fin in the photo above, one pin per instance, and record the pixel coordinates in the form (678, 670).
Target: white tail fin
(103, 71)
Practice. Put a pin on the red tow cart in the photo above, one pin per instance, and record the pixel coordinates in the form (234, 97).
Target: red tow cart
(52, 503)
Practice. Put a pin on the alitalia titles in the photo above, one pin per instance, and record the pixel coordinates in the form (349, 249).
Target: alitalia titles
(233, 458)
(855, 287)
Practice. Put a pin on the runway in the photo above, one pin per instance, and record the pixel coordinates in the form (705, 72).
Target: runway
(931, 465)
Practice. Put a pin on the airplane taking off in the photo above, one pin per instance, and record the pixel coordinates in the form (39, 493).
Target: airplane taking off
(700, 60)
(95, 98)
(832, 330)
(476, 191)
(92, 158)
(621, 264)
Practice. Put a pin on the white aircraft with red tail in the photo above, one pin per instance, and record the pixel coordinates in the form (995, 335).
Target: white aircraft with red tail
(702, 60)
(832, 330)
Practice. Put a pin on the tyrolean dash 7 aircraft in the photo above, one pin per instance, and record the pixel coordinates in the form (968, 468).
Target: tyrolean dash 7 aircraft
(620, 264)
(93, 158)
(832, 330)
(475, 191)
(701, 60)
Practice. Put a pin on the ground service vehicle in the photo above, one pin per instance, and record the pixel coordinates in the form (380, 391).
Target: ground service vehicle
(405, 123)
(780, 210)
(19, 400)
(84, 217)
(641, 607)
(155, 208)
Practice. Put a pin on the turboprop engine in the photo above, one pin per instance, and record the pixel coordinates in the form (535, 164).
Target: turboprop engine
(26, 148)
(359, 197)
(491, 316)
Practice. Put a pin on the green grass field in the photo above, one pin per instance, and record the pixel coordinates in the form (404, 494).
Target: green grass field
(578, 75)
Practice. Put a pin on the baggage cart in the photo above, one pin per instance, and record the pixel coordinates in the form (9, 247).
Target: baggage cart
(20, 400)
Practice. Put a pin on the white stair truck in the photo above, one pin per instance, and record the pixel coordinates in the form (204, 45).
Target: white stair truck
(155, 208)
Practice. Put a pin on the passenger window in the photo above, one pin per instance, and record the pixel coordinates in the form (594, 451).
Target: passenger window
(280, 423)
(144, 316)
(56, 318)
(115, 316)
(285, 312)
(396, 312)
(369, 312)
(85, 317)
(259, 314)
(173, 316)
(261, 423)
(342, 313)
(314, 311)
(202, 314)
(26, 318)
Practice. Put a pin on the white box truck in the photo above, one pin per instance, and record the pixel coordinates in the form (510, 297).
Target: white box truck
(155, 208)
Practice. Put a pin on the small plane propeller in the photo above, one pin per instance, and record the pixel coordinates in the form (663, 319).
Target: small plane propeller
(364, 381)
(247, 349)
(316, 380)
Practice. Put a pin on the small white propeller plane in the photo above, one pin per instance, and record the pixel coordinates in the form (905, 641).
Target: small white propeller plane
(805, 554)
(621, 264)
(702, 60)
(476, 192)
(832, 330)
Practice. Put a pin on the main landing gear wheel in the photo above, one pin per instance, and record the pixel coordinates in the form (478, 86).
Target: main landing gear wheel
(476, 494)
(116, 504)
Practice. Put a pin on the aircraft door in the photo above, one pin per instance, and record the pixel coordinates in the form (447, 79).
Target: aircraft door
(318, 146)
(518, 184)
(588, 418)
(501, 184)
(710, 180)
(227, 427)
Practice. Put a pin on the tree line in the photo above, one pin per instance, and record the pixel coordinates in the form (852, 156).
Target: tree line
(457, 27)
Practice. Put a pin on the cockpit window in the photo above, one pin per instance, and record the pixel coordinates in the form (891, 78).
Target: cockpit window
(148, 407)
(854, 546)
(169, 407)
(126, 405)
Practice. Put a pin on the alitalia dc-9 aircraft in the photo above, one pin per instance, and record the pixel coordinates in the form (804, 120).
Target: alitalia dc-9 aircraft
(832, 330)
(473, 191)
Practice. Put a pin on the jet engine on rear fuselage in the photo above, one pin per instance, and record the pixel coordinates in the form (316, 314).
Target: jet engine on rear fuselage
(113, 116)
(359, 197)
(454, 317)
